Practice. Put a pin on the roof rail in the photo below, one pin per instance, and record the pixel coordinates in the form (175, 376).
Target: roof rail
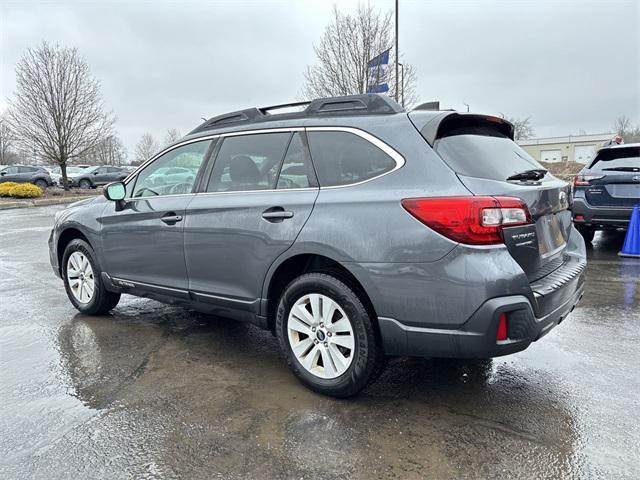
(364, 104)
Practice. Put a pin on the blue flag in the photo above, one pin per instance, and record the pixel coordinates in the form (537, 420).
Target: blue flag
(377, 73)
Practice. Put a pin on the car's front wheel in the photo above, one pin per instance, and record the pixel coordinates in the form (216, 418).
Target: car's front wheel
(41, 183)
(328, 336)
(85, 184)
(83, 282)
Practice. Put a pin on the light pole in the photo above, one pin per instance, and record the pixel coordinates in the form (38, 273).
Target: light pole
(397, 87)
(466, 105)
(401, 87)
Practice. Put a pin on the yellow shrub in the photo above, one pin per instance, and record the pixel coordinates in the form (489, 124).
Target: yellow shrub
(5, 187)
(25, 190)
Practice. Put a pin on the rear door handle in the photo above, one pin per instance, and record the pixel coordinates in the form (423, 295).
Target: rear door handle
(275, 214)
(171, 218)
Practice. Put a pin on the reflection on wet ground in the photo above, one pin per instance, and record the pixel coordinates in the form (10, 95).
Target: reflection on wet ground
(153, 391)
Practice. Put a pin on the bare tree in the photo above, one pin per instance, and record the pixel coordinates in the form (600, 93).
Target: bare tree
(522, 128)
(348, 43)
(110, 151)
(7, 141)
(146, 148)
(624, 127)
(58, 112)
(172, 136)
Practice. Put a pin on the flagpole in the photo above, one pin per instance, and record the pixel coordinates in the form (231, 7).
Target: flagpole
(397, 86)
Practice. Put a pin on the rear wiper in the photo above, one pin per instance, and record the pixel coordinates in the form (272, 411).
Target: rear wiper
(535, 174)
(622, 169)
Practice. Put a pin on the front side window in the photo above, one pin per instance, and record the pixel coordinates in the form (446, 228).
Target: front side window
(11, 170)
(342, 158)
(155, 180)
(248, 162)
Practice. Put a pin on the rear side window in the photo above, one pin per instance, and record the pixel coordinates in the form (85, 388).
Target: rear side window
(342, 158)
(248, 162)
(491, 157)
(618, 159)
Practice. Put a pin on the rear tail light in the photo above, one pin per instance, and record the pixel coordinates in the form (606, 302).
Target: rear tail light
(471, 220)
(502, 332)
(583, 180)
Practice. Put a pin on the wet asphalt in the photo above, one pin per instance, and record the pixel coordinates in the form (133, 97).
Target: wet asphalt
(152, 391)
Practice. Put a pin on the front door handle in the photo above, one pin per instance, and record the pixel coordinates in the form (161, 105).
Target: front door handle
(276, 214)
(171, 218)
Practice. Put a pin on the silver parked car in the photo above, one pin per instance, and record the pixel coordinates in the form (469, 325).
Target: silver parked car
(354, 230)
(37, 175)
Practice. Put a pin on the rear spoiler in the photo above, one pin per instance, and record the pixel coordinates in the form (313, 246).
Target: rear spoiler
(439, 124)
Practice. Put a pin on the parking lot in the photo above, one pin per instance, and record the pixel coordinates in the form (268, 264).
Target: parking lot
(154, 391)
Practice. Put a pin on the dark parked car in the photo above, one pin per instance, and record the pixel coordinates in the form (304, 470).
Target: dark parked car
(607, 189)
(26, 174)
(353, 230)
(95, 176)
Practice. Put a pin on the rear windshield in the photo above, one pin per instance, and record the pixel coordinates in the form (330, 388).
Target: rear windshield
(618, 159)
(493, 157)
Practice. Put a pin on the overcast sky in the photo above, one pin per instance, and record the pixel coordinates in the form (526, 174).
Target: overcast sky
(569, 65)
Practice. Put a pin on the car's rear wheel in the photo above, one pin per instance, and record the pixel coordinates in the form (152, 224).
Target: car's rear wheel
(586, 232)
(41, 183)
(84, 184)
(83, 282)
(328, 336)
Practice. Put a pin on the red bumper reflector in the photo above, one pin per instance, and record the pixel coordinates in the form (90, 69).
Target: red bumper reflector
(579, 217)
(502, 333)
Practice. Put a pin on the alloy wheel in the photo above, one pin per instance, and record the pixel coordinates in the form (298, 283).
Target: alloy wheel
(80, 277)
(321, 336)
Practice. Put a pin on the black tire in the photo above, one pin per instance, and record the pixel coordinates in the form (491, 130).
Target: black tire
(586, 232)
(41, 184)
(85, 184)
(368, 358)
(102, 300)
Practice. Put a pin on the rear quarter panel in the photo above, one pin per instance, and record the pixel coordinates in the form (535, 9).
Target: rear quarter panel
(366, 222)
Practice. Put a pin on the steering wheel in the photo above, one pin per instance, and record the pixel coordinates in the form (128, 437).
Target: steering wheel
(178, 188)
(145, 189)
(288, 183)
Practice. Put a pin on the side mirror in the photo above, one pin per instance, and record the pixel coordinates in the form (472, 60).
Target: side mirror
(3, 173)
(115, 191)
(95, 173)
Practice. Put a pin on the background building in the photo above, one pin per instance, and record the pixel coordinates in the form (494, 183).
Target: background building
(574, 148)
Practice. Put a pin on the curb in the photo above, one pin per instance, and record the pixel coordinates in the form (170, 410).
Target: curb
(42, 202)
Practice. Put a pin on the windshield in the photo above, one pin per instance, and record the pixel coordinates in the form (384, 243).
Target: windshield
(491, 157)
(617, 159)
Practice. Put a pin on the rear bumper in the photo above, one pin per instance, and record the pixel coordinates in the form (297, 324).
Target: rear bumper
(477, 339)
(600, 216)
(70, 182)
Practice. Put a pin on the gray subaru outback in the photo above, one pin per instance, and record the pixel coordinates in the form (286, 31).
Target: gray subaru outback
(352, 229)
